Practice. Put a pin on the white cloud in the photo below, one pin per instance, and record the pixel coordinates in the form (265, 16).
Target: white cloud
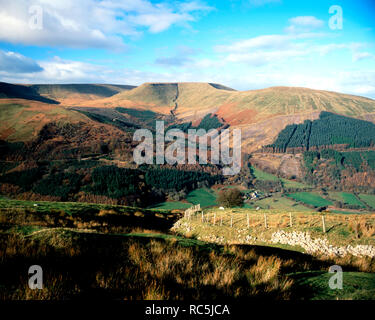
(307, 21)
(277, 48)
(59, 70)
(362, 56)
(268, 49)
(91, 23)
(12, 62)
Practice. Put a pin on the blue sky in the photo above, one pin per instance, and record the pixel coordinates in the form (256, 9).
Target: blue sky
(244, 44)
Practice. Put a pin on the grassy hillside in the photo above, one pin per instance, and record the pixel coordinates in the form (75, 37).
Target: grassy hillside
(62, 91)
(22, 120)
(194, 98)
(230, 226)
(115, 252)
(310, 198)
(16, 91)
(369, 199)
(346, 198)
(204, 197)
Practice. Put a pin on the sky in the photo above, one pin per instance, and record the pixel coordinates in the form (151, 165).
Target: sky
(243, 44)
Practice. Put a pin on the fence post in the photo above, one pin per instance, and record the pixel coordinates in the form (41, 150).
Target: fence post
(221, 220)
(324, 224)
(214, 218)
(231, 221)
(290, 220)
(202, 216)
(265, 221)
(248, 221)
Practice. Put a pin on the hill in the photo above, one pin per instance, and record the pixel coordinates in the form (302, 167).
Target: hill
(191, 97)
(15, 91)
(144, 259)
(61, 92)
(261, 114)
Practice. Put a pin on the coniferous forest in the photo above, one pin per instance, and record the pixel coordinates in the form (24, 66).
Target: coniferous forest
(330, 129)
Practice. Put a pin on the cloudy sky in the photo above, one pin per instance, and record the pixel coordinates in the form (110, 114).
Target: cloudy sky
(244, 44)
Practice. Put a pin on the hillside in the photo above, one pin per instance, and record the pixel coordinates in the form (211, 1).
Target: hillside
(15, 91)
(145, 259)
(194, 97)
(261, 114)
(329, 130)
(61, 92)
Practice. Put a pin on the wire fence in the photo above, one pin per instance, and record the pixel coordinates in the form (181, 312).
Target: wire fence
(268, 219)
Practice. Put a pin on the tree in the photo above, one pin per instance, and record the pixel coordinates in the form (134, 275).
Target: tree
(231, 198)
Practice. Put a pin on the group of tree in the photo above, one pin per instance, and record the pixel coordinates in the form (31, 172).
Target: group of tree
(231, 198)
(148, 184)
(329, 129)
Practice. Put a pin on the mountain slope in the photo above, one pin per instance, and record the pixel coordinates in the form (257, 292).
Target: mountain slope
(199, 97)
(16, 91)
(261, 114)
(64, 91)
(329, 130)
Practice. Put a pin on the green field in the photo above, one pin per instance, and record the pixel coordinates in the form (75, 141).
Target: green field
(368, 199)
(315, 285)
(262, 175)
(294, 184)
(170, 205)
(279, 203)
(70, 208)
(310, 198)
(347, 198)
(205, 197)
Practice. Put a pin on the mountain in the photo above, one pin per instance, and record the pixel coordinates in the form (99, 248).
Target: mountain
(44, 125)
(16, 91)
(60, 93)
(83, 91)
(191, 97)
(261, 114)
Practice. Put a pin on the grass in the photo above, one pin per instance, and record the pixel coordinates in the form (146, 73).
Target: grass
(205, 197)
(347, 198)
(356, 285)
(96, 217)
(294, 184)
(310, 198)
(170, 205)
(116, 252)
(262, 175)
(137, 268)
(369, 199)
(341, 229)
(279, 203)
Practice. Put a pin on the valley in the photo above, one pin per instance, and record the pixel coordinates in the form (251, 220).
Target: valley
(71, 191)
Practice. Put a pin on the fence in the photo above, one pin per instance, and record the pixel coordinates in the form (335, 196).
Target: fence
(267, 220)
